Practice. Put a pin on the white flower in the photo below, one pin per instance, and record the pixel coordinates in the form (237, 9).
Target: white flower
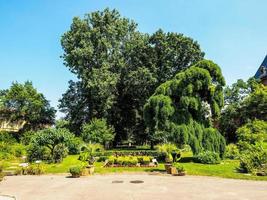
(24, 164)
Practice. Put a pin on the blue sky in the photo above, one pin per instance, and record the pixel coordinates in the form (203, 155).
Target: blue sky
(232, 33)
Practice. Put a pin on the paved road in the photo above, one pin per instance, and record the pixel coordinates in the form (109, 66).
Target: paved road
(154, 187)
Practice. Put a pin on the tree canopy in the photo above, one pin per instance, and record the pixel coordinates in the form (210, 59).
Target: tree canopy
(118, 68)
(187, 106)
(23, 102)
(245, 101)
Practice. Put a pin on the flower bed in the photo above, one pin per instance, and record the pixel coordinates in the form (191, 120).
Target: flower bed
(150, 153)
(129, 161)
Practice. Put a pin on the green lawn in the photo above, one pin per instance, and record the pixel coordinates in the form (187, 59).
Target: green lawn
(227, 169)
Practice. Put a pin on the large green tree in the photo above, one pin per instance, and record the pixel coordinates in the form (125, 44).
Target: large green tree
(119, 68)
(22, 102)
(184, 108)
(245, 101)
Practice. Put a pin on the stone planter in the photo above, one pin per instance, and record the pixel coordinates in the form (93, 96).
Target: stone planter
(181, 173)
(172, 170)
(75, 175)
(90, 169)
(167, 167)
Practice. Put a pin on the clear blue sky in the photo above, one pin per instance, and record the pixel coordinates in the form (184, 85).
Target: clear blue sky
(233, 33)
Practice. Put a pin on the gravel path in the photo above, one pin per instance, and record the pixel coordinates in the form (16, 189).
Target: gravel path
(119, 187)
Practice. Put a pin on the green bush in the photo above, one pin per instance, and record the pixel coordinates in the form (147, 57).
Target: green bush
(35, 169)
(1, 172)
(231, 151)
(98, 131)
(254, 160)
(146, 160)
(140, 153)
(207, 157)
(128, 160)
(9, 151)
(19, 150)
(252, 139)
(50, 145)
(112, 160)
(180, 168)
(119, 160)
(26, 137)
(252, 133)
(7, 137)
(74, 146)
(76, 171)
(60, 152)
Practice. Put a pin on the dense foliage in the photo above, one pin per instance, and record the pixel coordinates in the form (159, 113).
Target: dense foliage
(207, 157)
(184, 108)
(23, 103)
(245, 101)
(50, 145)
(97, 131)
(252, 143)
(118, 68)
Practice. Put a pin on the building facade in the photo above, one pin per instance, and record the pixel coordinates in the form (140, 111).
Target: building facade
(261, 74)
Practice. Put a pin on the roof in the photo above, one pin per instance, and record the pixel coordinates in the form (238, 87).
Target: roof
(262, 71)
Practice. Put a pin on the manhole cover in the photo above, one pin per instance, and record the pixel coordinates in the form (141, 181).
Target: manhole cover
(117, 181)
(137, 181)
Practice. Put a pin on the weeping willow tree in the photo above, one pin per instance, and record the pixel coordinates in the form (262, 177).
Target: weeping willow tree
(184, 110)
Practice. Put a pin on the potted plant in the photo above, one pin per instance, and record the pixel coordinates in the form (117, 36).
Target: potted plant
(88, 156)
(76, 171)
(180, 170)
(168, 150)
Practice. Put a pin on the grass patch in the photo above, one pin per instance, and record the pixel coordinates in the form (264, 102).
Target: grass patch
(227, 168)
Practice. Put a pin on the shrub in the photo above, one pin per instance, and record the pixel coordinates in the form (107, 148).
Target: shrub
(254, 160)
(74, 146)
(112, 160)
(120, 160)
(180, 168)
(98, 131)
(26, 137)
(76, 171)
(19, 150)
(1, 173)
(146, 160)
(60, 152)
(207, 157)
(252, 133)
(36, 152)
(9, 151)
(128, 160)
(7, 137)
(51, 142)
(231, 151)
(35, 169)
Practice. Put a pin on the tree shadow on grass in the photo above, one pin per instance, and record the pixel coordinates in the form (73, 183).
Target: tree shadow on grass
(186, 159)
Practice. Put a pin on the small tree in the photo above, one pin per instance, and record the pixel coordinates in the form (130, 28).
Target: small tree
(97, 131)
(50, 144)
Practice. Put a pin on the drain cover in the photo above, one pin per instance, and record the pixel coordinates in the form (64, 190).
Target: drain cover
(137, 181)
(117, 181)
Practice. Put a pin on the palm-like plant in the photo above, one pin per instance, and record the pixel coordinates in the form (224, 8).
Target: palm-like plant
(88, 152)
(167, 149)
